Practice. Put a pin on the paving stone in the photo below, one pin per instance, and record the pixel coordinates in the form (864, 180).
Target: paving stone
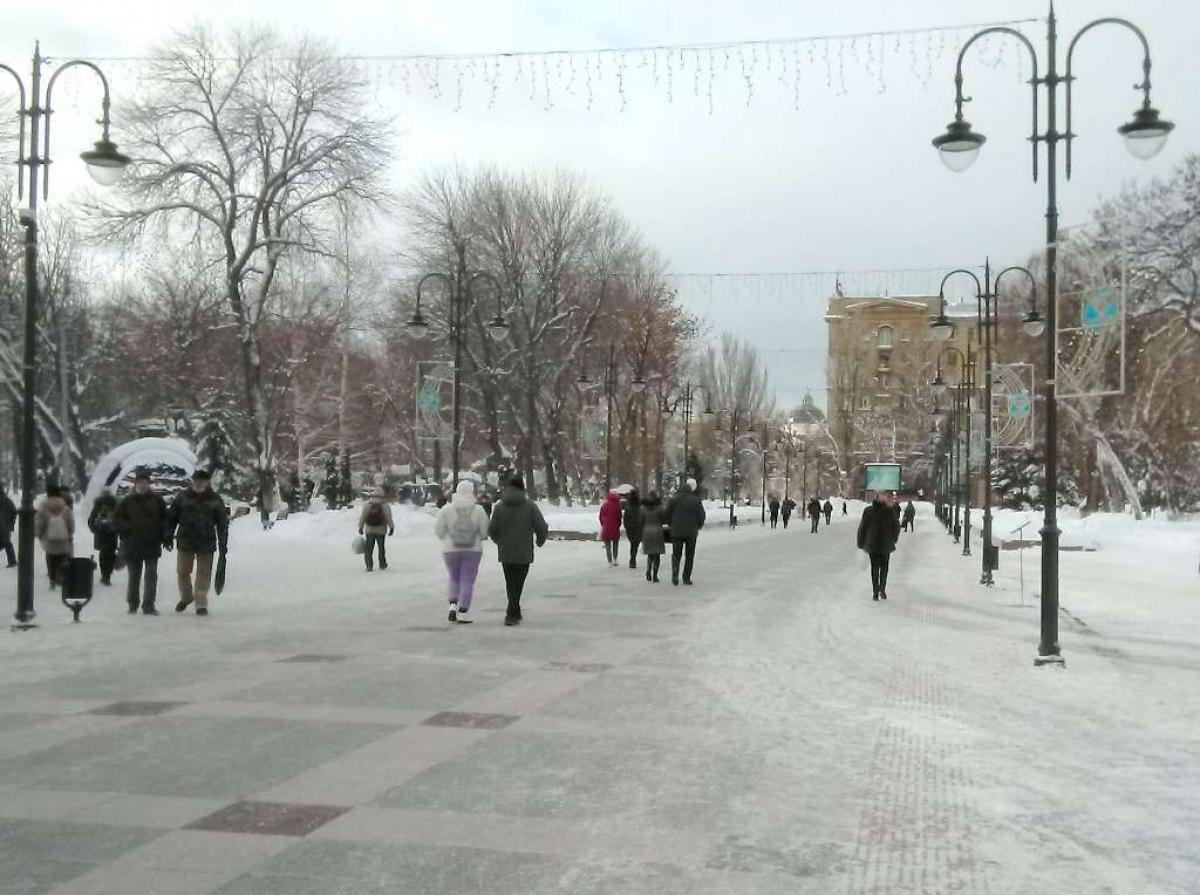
(473, 720)
(268, 818)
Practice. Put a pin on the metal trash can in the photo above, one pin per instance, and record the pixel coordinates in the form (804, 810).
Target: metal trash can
(992, 557)
(78, 583)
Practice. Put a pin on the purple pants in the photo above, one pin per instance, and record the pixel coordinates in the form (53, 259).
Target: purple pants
(463, 566)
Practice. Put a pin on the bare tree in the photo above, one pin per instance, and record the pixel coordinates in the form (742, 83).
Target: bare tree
(245, 145)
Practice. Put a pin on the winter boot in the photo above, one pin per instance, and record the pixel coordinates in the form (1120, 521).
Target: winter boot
(201, 611)
(453, 616)
(463, 619)
(182, 605)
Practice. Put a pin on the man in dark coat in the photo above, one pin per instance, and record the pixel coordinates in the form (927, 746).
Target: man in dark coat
(910, 514)
(684, 518)
(786, 509)
(814, 513)
(877, 535)
(516, 525)
(632, 518)
(828, 508)
(141, 521)
(104, 533)
(8, 522)
(199, 522)
(773, 510)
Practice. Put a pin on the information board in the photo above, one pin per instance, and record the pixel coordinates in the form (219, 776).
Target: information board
(883, 477)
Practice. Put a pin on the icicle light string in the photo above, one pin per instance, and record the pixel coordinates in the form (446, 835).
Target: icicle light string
(544, 77)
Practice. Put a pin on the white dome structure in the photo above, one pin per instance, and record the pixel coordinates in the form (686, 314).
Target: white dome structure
(170, 462)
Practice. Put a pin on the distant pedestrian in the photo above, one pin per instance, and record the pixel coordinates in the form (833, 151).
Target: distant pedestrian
(632, 518)
(845, 511)
(877, 535)
(909, 518)
(773, 510)
(141, 522)
(786, 510)
(653, 543)
(375, 522)
(198, 524)
(814, 512)
(516, 525)
(828, 508)
(896, 511)
(485, 501)
(54, 526)
(610, 526)
(8, 524)
(266, 502)
(685, 517)
(462, 527)
(104, 533)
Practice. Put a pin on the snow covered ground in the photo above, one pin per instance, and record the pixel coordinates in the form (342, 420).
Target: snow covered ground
(769, 730)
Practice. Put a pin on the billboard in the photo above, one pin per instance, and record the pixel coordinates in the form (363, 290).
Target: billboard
(883, 477)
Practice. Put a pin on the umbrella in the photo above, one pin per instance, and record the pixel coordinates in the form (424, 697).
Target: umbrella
(623, 489)
(219, 578)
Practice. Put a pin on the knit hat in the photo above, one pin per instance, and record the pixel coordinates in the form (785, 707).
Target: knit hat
(465, 487)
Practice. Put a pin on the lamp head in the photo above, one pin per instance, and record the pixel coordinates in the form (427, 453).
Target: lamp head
(938, 385)
(1033, 323)
(942, 328)
(498, 328)
(418, 326)
(105, 164)
(959, 146)
(1146, 134)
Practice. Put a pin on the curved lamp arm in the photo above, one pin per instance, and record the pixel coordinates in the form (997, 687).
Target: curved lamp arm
(436, 275)
(959, 99)
(1144, 86)
(495, 284)
(21, 114)
(978, 291)
(106, 104)
(1032, 284)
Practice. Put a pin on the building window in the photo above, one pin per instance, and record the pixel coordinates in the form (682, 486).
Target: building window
(864, 403)
(883, 380)
(904, 334)
(885, 337)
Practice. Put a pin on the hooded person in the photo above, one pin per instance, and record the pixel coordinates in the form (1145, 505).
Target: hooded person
(141, 522)
(773, 508)
(877, 535)
(610, 526)
(786, 510)
(104, 533)
(827, 509)
(653, 542)
(814, 511)
(462, 527)
(516, 525)
(632, 518)
(198, 524)
(54, 526)
(375, 523)
(684, 517)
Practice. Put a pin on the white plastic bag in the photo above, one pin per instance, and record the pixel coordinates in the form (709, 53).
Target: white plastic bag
(359, 545)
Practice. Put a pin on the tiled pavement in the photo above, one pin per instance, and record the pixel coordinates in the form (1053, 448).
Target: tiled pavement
(759, 732)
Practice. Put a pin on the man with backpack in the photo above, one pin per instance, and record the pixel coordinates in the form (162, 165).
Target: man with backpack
(814, 512)
(199, 521)
(104, 533)
(375, 523)
(141, 521)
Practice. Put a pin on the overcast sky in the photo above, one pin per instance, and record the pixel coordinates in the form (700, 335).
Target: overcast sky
(849, 182)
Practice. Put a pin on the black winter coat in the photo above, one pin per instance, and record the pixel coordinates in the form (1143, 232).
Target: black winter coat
(516, 525)
(201, 519)
(814, 507)
(141, 521)
(8, 517)
(685, 515)
(102, 522)
(632, 517)
(878, 531)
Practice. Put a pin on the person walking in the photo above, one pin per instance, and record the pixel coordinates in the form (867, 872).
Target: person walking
(786, 511)
(845, 511)
(198, 523)
(909, 518)
(266, 502)
(104, 533)
(814, 512)
(610, 526)
(773, 510)
(828, 508)
(375, 522)
(8, 524)
(685, 518)
(895, 507)
(632, 518)
(877, 535)
(141, 522)
(462, 527)
(54, 526)
(653, 542)
(516, 525)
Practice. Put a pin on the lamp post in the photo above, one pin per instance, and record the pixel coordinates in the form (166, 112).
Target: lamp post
(461, 289)
(1145, 135)
(609, 382)
(106, 166)
(684, 402)
(733, 440)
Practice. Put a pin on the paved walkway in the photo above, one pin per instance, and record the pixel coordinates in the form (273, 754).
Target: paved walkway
(768, 730)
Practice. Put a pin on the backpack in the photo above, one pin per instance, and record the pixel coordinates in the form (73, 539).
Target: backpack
(56, 528)
(375, 516)
(103, 521)
(464, 531)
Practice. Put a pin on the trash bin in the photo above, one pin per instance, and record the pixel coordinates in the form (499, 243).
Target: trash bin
(78, 583)
(992, 557)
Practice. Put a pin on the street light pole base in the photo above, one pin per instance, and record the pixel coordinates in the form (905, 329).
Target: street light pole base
(1057, 661)
(17, 625)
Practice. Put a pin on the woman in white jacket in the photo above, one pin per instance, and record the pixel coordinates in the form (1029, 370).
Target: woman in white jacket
(462, 527)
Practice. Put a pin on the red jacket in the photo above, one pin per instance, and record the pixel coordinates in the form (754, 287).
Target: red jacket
(610, 517)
